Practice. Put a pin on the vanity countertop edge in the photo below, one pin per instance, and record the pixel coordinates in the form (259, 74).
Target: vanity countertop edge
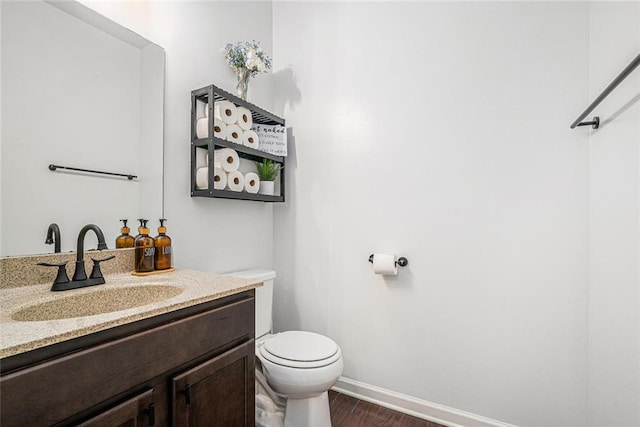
(18, 337)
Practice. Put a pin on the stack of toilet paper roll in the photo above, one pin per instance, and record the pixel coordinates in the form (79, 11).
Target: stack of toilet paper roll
(229, 122)
(230, 173)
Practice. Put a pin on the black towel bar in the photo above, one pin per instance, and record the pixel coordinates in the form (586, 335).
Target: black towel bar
(595, 123)
(53, 167)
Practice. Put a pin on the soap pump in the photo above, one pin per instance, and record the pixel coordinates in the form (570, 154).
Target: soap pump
(125, 240)
(145, 249)
(140, 227)
(163, 248)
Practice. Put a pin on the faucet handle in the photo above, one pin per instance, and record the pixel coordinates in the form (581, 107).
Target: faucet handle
(62, 271)
(96, 273)
(103, 259)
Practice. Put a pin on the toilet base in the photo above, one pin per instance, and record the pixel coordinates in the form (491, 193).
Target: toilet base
(309, 412)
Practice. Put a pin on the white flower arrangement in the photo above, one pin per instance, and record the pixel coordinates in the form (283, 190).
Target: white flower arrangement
(246, 56)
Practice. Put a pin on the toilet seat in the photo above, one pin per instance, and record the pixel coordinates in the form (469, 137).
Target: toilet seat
(300, 349)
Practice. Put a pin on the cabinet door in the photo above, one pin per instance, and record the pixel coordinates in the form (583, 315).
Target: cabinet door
(218, 392)
(135, 412)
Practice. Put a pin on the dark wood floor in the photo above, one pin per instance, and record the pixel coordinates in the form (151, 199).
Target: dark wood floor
(347, 411)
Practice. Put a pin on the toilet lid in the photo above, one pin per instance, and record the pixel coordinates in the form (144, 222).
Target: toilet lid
(300, 349)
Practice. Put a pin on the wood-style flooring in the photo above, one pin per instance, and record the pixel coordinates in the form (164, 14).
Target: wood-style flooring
(347, 411)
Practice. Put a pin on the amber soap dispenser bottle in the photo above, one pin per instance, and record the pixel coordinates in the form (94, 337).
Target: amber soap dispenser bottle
(163, 248)
(145, 249)
(124, 240)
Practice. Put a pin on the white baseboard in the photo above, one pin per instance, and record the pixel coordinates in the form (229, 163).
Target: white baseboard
(426, 410)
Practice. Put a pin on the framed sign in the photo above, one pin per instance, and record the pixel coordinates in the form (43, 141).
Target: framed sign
(273, 139)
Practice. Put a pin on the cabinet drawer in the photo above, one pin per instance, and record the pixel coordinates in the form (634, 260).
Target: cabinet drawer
(79, 381)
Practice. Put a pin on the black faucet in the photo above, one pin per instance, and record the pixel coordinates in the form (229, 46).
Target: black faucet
(80, 280)
(53, 236)
(80, 273)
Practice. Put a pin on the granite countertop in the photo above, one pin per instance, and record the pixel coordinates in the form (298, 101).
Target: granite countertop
(191, 287)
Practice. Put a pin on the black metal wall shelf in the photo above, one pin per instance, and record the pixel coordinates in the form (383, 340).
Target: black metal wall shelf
(259, 115)
(226, 194)
(206, 95)
(250, 152)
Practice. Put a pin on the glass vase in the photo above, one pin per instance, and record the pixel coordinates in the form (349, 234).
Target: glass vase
(243, 83)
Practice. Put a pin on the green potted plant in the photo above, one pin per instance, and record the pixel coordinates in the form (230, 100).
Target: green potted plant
(267, 172)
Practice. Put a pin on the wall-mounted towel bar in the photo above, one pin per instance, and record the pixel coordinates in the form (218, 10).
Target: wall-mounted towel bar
(595, 123)
(53, 167)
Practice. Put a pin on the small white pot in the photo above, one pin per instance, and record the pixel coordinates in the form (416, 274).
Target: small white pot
(266, 187)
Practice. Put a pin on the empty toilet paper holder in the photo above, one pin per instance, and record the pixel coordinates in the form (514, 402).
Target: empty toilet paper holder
(402, 261)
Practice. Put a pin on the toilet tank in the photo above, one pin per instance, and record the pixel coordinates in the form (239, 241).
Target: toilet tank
(264, 297)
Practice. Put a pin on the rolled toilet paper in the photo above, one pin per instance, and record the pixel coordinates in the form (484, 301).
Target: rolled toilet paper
(219, 128)
(244, 120)
(226, 111)
(202, 157)
(235, 181)
(202, 178)
(250, 139)
(385, 264)
(251, 183)
(226, 159)
(234, 134)
(219, 179)
(202, 128)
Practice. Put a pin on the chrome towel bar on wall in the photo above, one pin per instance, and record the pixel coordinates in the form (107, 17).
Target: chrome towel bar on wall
(595, 123)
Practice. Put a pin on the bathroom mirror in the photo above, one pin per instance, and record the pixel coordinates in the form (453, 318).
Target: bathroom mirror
(81, 91)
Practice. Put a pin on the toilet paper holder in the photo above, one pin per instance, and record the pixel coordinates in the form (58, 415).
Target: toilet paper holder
(402, 261)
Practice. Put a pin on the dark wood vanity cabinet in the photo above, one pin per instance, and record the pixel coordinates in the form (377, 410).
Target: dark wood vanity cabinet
(191, 367)
(225, 375)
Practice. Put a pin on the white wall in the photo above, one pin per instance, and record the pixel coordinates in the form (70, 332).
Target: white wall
(208, 234)
(614, 232)
(440, 131)
(151, 132)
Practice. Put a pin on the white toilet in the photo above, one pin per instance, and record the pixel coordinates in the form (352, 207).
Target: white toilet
(299, 366)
